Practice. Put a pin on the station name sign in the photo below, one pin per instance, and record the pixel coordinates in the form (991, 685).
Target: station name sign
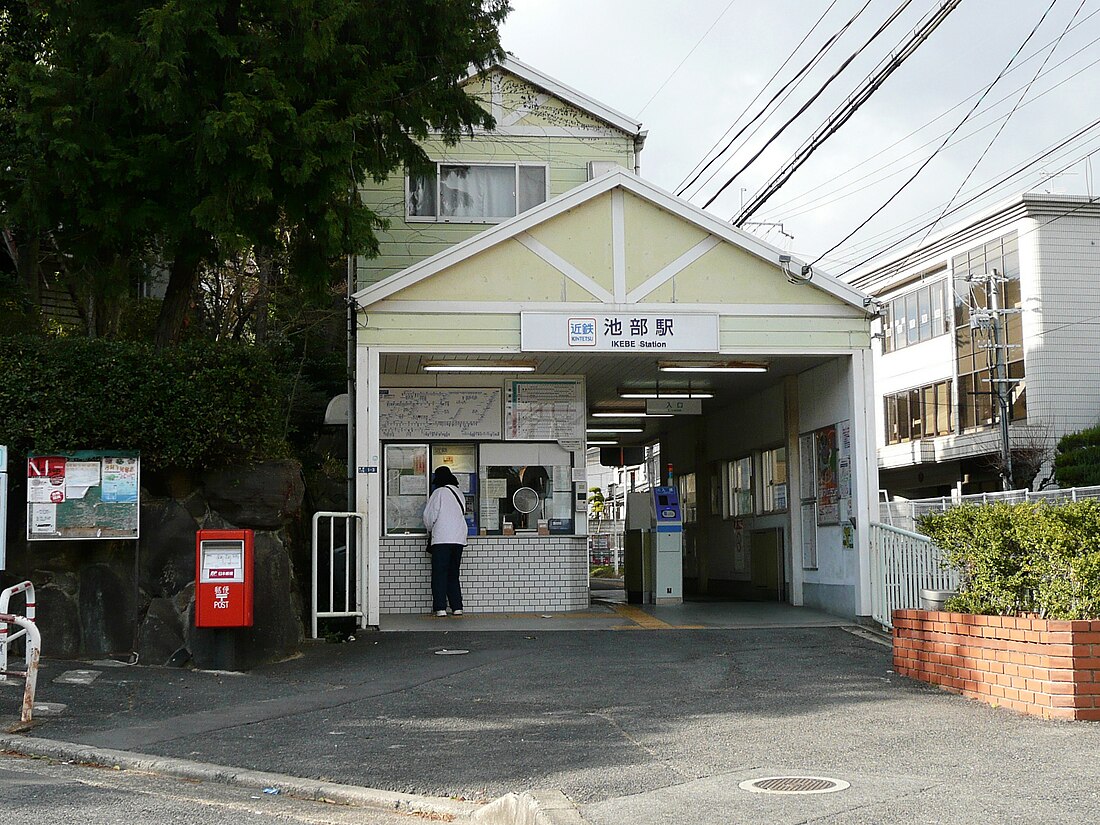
(618, 332)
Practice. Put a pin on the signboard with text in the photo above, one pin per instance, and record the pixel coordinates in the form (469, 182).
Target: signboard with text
(656, 332)
(89, 494)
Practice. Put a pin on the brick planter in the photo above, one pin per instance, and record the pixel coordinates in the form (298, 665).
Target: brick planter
(1046, 668)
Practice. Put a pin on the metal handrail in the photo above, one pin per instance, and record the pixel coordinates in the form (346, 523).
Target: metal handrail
(27, 590)
(356, 540)
(906, 563)
(33, 655)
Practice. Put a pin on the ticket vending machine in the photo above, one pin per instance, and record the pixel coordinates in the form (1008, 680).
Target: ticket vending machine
(223, 578)
(654, 542)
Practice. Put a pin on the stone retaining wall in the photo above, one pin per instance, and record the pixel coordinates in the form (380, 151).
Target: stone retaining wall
(1037, 666)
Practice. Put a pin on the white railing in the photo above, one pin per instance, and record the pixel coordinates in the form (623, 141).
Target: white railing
(33, 656)
(339, 558)
(26, 589)
(904, 513)
(907, 563)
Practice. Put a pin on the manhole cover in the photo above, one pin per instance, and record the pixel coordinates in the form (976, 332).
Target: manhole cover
(794, 784)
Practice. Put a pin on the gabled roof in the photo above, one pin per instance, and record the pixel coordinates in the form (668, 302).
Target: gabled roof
(574, 198)
(563, 92)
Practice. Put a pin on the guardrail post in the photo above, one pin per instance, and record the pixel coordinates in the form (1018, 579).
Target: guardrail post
(33, 656)
(27, 589)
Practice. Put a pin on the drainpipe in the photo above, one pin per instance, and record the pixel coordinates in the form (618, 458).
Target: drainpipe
(351, 384)
(639, 142)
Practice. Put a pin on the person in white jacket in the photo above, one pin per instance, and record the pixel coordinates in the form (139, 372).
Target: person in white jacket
(445, 518)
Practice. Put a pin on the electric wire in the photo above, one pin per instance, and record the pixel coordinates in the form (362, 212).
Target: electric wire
(1000, 183)
(703, 164)
(1008, 117)
(934, 154)
(841, 116)
(828, 82)
(698, 43)
(801, 206)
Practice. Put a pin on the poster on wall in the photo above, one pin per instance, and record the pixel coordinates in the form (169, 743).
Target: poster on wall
(88, 494)
(844, 464)
(807, 474)
(827, 475)
(543, 410)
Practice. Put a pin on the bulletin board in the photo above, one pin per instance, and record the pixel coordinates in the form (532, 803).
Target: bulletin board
(419, 414)
(88, 494)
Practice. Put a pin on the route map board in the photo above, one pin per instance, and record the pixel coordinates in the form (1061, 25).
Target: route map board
(89, 494)
(543, 410)
(417, 414)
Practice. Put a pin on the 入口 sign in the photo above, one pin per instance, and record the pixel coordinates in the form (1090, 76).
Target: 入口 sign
(674, 406)
(618, 332)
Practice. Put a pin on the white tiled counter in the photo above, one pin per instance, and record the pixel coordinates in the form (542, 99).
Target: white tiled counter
(500, 574)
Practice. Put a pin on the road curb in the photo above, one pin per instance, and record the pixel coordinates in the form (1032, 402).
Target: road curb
(312, 789)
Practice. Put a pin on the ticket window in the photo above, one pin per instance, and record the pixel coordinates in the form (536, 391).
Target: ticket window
(527, 488)
(408, 470)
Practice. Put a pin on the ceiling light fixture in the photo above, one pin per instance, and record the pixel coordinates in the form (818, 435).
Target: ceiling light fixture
(630, 415)
(476, 366)
(665, 394)
(603, 443)
(715, 366)
(613, 430)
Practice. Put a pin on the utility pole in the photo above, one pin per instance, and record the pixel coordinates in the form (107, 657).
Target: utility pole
(1001, 383)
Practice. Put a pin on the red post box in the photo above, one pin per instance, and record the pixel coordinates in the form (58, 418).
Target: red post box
(223, 578)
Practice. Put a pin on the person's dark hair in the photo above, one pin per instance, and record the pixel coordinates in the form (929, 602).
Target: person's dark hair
(443, 477)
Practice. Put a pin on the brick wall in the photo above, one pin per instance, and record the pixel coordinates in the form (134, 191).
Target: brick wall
(500, 574)
(1037, 666)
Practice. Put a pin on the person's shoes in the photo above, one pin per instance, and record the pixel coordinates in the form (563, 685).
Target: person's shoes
(440, 613)
(458, 612)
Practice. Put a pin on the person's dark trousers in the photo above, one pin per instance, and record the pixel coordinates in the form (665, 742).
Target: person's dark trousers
(446, 559)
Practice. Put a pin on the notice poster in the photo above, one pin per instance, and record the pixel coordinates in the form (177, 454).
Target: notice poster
(43, 521)
(827, 466)
(120, 480)
(541, 410)
(844, 465)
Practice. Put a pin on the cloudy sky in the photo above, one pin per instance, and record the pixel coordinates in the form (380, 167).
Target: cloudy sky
(690, 70)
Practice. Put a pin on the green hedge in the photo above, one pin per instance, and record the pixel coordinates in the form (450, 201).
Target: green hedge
(1023, 558)
(1077, 460)
(199, 405)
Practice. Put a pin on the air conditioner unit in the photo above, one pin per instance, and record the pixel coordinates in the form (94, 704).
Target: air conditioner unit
(598, 168)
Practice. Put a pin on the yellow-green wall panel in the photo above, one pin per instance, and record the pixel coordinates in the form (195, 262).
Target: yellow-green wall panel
(654, 238)
(728, 275)
(582, 236)
(450, 332)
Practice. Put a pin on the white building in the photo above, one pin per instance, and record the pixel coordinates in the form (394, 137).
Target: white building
(935, 360)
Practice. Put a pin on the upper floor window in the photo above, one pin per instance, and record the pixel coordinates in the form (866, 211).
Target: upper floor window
(924, 412)
(992, 266)
(915, 316)
(476, 192)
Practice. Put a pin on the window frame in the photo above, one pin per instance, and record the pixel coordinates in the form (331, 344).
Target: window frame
(437, 218)
(768, 485)
(901, 323)
(733, 488)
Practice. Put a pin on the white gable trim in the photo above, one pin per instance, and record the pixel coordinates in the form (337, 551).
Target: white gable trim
(673, 269)
(564, 267)
(422, 307)
(618, 245)
(628, 182)
(560, 90)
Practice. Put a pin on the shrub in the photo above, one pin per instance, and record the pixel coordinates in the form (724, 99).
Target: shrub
(1077, 459)
(199, 405)
(1023, 558)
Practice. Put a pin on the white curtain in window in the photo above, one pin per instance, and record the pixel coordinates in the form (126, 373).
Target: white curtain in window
(477, 191)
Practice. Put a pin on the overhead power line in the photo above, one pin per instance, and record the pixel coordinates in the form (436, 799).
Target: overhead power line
(706, 163)
(828, 82)
(958, 126)
(849, 108)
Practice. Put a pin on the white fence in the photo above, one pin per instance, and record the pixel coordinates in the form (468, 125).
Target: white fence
(905, 513)
(26, 590)
(339, 550)
(907, 563)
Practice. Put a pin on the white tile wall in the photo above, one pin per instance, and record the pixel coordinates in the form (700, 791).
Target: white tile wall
(500, 574)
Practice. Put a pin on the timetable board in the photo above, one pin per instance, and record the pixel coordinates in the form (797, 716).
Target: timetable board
(409, 413)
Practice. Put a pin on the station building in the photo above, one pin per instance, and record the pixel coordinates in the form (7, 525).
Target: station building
(535, 297)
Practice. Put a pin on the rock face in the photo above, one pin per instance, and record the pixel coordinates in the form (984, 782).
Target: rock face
(88, 604)
(262, 496)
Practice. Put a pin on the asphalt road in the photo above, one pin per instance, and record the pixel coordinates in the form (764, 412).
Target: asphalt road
(641, 726)
(39, 792)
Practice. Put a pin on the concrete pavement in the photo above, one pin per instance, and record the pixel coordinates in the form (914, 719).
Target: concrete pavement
(654, 724)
